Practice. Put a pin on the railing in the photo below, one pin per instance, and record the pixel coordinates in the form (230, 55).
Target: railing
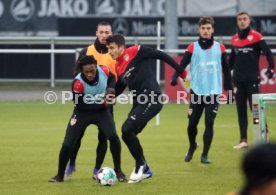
(129, 40)
(54, 41)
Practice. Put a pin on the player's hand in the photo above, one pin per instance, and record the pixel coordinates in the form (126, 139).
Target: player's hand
(109, 98)
(228, 86)
(174, 81)
(174, 77)
(269, 73)
(230, 97)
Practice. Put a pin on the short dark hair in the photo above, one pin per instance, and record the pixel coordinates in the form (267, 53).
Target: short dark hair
(242, 13)
(85, 60)
(116, 38)
(206, 20)
(104, 24)
(259, 166)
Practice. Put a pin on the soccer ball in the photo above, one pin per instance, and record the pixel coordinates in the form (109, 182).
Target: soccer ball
(106, 176)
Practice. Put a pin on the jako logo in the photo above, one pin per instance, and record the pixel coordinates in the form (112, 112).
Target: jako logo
(106, 7)
(120, 25)
(22, 10)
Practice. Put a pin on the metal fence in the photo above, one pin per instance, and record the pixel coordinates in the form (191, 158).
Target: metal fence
(53, 42)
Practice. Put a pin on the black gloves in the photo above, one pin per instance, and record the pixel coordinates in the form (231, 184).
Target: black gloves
(269, 73)
(175, 75)
(174, 79)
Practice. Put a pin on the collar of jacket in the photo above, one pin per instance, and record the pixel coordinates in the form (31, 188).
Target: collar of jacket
(206, 43)
(243, 33)
(101, 48)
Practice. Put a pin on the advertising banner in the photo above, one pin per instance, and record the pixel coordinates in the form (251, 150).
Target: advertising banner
(147, 26)
(130, 17)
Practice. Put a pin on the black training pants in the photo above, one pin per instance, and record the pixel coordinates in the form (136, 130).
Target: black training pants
(76, 129)
(138, 118)
(100, 151)
(243, 92)
(197, 105)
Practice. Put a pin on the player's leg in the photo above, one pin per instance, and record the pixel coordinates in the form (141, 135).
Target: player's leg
(136, 121)
(101, 149)
(147, 172)
(195, 111)
(241, 100)
(210, 115)
(100, 153)
(72, 161)
(252, 88)
(137, 131)
(75, 130)
(108, 129)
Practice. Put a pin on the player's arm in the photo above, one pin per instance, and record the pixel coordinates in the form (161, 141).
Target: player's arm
(110, 90)
(78, 95)
(232, 58)
(227, 83)
(119, 88)
(147, 52)
(111, 82)
(267, 52)
(184, 63)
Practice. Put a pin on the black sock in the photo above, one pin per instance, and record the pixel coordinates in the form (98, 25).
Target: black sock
(100, 151)
(74, 153)
(134, 147)
(192, 132)
(63, 160)
(208, 137)
(115, 148)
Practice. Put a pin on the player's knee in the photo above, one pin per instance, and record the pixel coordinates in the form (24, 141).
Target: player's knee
(127, 127)
(115, 140)
(127, 131)
(102, 141)
(114, 137)
(209, 121)
(67, 146)
(125, 135)
(101, 137)
(192, 123)
(110, 136)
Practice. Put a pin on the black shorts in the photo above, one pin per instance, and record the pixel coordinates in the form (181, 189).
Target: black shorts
(79, 121)
(198, 103)
(141, 114)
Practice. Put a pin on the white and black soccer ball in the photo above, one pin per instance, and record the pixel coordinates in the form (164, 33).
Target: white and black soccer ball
(106, 176)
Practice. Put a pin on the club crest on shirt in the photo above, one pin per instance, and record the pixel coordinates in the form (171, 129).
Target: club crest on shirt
(126, 57)
(73, 120)
(190, 111)
(250, 37)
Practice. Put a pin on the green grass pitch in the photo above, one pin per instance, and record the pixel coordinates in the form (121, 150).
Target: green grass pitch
(31, 135)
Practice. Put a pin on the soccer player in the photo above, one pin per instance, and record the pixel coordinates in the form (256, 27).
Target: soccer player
(134, 70)
(207, 59)
(100, 53)
(259, 168)
(90, 87)
(247, 45)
